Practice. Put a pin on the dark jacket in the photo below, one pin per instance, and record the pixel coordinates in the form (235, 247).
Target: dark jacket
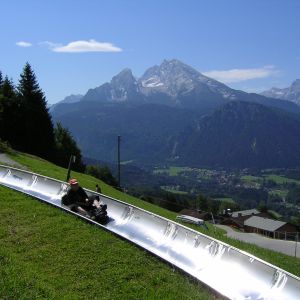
(73, 197)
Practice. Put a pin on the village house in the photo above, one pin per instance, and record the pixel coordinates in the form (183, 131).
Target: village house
(252, 220)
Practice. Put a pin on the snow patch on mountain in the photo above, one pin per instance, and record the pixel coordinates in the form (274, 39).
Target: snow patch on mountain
(152, 82)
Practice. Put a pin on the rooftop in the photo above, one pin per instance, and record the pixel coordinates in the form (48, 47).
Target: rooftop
(264, 223)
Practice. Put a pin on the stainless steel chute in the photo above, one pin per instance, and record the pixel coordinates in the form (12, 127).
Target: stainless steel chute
(228, 270)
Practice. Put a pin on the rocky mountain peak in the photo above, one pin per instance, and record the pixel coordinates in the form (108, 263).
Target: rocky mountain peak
(172, 77)
(124, 79)
(123, 86)
(296, 85)
(291, 93)
(175, 83)
(175, 67)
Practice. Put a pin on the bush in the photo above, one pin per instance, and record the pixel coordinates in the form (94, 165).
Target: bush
(6, 148)
(102, 173)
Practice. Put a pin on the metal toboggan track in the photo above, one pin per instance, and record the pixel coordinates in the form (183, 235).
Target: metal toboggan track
(229, 271)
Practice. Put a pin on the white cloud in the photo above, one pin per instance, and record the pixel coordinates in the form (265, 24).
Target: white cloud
(84, 46)
(23, 44)
(237, 75)
(49, 44)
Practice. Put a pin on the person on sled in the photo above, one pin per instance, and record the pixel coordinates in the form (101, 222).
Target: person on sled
(78, 200)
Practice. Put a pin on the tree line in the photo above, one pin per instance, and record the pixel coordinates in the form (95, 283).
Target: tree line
(26, 124)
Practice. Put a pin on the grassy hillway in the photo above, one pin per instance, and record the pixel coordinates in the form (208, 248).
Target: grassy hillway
(48, 254)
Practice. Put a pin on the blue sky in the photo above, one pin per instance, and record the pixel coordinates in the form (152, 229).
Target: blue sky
(76, 45)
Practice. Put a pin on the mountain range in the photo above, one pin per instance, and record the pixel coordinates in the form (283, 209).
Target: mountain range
(176, 84)
(68, 99)
(241, 135)
(291, 93)
(170, 111)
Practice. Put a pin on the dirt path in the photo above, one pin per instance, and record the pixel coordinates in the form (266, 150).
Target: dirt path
(6, 160)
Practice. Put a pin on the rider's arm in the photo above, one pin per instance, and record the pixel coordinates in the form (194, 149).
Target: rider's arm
(83, 194)
(67, 198)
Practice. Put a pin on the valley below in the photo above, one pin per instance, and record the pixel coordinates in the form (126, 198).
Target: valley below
(189, 141)
(216, 190)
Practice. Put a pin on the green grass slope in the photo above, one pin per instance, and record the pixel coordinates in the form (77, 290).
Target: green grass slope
(47, 253)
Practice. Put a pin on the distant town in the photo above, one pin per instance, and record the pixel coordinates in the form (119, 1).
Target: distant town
(276, 189)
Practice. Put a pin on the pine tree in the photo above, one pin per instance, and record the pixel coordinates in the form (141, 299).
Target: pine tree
(1, 103)
(1, 81)
(8, 112)
(65, 147)
(1, 96)
(7, 88)
(37, 128)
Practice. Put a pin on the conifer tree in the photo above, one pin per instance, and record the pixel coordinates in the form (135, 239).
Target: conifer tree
(8, 111)
(7, 88)
(37, 128)
(1, 80)
(1, 103)
(1, 95)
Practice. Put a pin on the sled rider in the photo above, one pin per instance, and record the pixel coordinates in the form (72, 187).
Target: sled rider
(77, 199)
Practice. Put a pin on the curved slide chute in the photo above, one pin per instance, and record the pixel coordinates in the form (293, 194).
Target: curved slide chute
(229, 271)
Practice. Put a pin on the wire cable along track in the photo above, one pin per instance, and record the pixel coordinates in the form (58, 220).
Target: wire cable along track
(231, 272)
